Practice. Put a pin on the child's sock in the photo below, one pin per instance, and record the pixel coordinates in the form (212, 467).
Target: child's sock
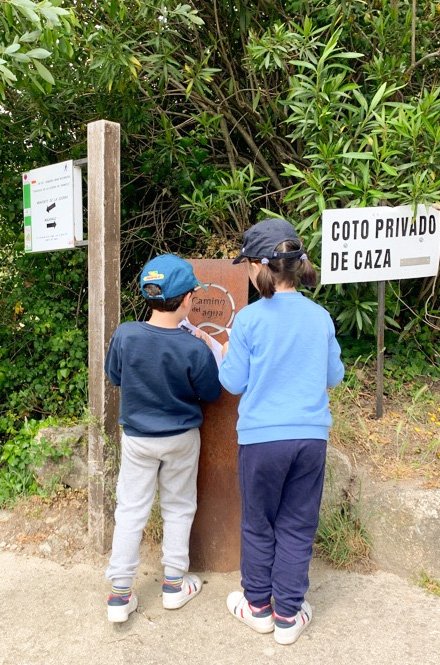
(291, 619)
(172, 584)
(264, 611)
(120, 594)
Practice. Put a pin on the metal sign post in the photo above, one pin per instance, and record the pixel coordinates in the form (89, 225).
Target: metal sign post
(380, 347)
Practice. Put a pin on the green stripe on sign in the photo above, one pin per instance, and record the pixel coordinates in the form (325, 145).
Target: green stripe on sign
(26, 196)
(28, 221)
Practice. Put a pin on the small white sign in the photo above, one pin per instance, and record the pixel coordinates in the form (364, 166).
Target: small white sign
(378, 244)
(52, 202)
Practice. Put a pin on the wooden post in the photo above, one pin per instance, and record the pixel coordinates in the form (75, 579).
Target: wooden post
(380, 347)
(103, 161)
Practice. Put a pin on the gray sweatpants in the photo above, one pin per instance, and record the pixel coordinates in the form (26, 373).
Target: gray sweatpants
(171, 464)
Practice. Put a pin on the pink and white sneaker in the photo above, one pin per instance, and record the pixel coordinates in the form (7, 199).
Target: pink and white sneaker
(288, 629)
(259, 620)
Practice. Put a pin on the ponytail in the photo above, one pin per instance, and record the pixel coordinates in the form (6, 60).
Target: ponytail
(307, 274)
(265, 281)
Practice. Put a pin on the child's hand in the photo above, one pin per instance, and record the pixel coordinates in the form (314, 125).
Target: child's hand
(225, 348)
(204, 336)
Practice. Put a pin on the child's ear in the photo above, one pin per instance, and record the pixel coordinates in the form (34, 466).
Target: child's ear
(187, 298)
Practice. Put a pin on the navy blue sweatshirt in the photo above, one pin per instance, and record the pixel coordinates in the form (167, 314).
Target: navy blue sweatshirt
(163, 374)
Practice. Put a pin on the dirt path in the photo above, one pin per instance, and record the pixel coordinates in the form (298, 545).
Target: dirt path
(52, 613)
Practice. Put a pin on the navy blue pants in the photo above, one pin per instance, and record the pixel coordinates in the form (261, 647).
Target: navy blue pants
(281, 487)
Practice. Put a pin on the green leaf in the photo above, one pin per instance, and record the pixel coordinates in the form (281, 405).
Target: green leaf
(195, 19)
(52, 13)
(351, 54)
(39, 53)
(20, 57)
(377, 97)
(389, 169)
(357, 155)
(360, 99)
(27, 9)
(343, 316)
(7, 74)
(271, 213)
(30, 36)
(44, 72)
(36, 82)
(303, 63)
(12, 48)
(391, 322)
(292, 170)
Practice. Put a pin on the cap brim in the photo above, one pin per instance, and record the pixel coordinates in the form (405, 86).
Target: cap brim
(238, 259)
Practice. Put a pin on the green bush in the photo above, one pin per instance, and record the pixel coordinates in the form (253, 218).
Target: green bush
(43, 338)
(19, 455)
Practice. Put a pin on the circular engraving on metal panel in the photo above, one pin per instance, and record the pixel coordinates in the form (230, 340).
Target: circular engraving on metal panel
(213, 309)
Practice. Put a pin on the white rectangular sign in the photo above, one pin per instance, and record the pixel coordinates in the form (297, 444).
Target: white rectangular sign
(378, 244)
(52, 202)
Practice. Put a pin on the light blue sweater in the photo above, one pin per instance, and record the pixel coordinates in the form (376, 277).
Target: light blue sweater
(282, 357)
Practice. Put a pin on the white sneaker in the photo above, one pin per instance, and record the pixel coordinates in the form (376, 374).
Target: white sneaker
(239, 607)
(121, 608)
(191, 586)
(289, 629)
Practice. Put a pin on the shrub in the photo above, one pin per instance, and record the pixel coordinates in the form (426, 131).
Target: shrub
(19, 455)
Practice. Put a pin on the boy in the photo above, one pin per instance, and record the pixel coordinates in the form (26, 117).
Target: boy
(163, 372)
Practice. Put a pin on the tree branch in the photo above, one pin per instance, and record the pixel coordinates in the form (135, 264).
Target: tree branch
(413, 32)
(228, 144)
(428, 56)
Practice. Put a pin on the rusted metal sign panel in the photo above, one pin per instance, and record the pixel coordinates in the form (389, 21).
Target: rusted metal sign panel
(215, 538)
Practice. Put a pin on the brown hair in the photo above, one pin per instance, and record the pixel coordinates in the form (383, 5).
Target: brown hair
(289, 271)
(170, 305)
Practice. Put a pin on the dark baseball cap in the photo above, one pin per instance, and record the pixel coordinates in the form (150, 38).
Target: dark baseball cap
(171, 273)
(262, 239)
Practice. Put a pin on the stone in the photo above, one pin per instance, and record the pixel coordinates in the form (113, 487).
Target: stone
(403, 520)
(45, 548)
(339, 477)
(70, 470)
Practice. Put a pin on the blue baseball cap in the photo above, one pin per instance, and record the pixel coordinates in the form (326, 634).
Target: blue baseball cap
(171, 273)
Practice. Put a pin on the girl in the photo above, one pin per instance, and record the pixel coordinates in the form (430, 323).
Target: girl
(282, 356)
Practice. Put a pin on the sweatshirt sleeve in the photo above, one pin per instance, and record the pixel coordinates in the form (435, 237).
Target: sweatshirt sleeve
(112, 365)
(234, 370)
(335, 367)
